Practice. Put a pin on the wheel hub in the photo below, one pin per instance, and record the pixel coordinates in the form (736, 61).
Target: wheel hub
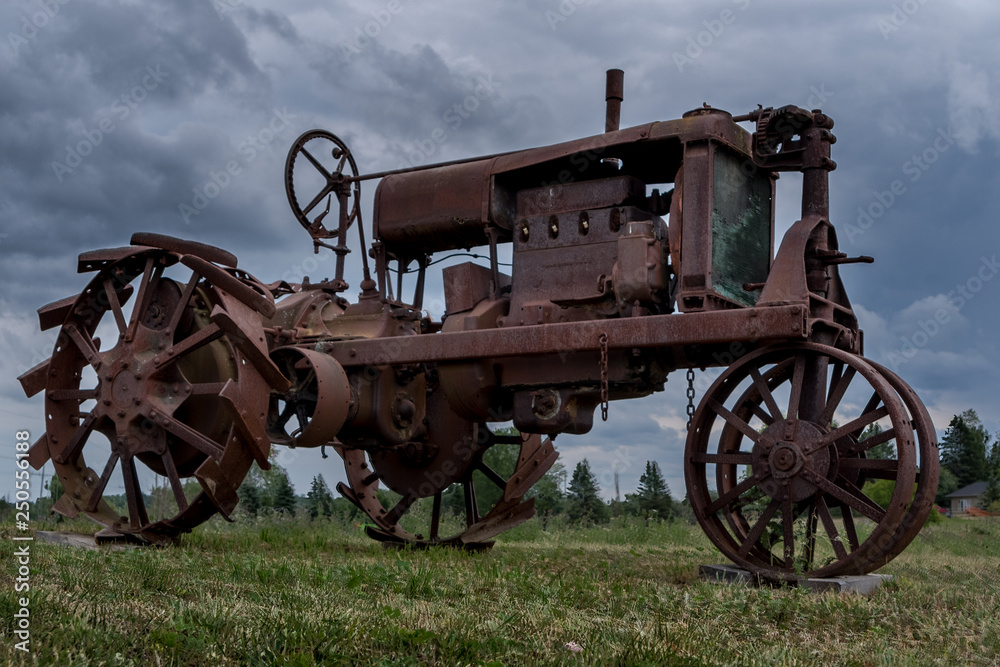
(782, 453)
(130, 390)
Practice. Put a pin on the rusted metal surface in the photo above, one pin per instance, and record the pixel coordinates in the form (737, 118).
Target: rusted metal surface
(635, 253)
(614, 92)
(769, 521)
(781, 323)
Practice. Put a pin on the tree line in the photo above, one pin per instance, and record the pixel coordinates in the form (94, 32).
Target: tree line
(579, 501)
(967, 455)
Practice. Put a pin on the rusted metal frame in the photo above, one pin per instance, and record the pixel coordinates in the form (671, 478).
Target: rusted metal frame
(695, 277)
(758, 324)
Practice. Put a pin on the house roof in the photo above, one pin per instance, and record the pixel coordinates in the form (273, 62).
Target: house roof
(974, 489)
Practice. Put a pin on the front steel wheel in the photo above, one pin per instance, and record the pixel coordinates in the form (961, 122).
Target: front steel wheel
(778, 457)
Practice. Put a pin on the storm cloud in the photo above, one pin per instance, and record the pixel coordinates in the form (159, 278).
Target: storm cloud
(116, 116)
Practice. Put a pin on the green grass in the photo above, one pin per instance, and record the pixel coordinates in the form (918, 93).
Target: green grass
(280, 592)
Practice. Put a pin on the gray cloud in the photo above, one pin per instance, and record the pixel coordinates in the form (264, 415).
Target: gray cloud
(895, 85)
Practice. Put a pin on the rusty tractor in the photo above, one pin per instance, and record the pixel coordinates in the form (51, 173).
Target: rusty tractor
(634, 253)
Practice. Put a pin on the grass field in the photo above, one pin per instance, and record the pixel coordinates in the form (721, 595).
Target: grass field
(299, 593)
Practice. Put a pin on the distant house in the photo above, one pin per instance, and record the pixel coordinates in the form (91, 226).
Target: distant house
(966, 498)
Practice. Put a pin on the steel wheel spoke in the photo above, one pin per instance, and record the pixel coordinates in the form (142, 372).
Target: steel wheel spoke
(766, 396)
(116, 307)
(206, 388)
(788, 531)
(133, 494)
(795, 393)
(79, 439)
(393, 515)
(837, 391)
(830, 527)
(758, 528)
(95, 496)
(317, 199)
(733, 420)
(735, 492)
(471, 507)
(285, 415)
(85, 344)
(726, 458)
(319, 167)
(142, 297)
(849, 527)
(196, 340)
(492, 475)
(882, 468)
(192, 437)
(175, 480)
(868, 443)
(851, 495)
(78, 395)
(761, 414)
(182, 304)
(872, 403)
(847, 429)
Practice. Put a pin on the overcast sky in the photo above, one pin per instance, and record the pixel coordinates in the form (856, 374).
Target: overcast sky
(161, 96)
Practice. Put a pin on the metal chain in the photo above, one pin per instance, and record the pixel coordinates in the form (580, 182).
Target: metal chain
(690, 397)
(604, 376)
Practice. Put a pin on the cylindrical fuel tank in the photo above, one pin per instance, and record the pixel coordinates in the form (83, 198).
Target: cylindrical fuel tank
(444, 208)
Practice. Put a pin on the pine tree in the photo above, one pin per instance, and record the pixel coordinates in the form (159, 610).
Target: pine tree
(991, 497)
(963, 448)
(284, 495)
(250, 498)
(583, 501)
(319, 500)
(653, 494)
(548, 495)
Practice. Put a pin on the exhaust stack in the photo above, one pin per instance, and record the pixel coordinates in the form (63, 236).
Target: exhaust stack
(613, 97)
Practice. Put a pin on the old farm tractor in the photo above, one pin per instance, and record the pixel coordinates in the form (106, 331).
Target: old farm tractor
(634, 253)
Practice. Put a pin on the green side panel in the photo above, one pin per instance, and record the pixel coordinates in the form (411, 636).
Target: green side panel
(741, 228)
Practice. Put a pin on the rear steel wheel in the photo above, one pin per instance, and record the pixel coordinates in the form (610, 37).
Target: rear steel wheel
(181, 393)
(783, 470)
